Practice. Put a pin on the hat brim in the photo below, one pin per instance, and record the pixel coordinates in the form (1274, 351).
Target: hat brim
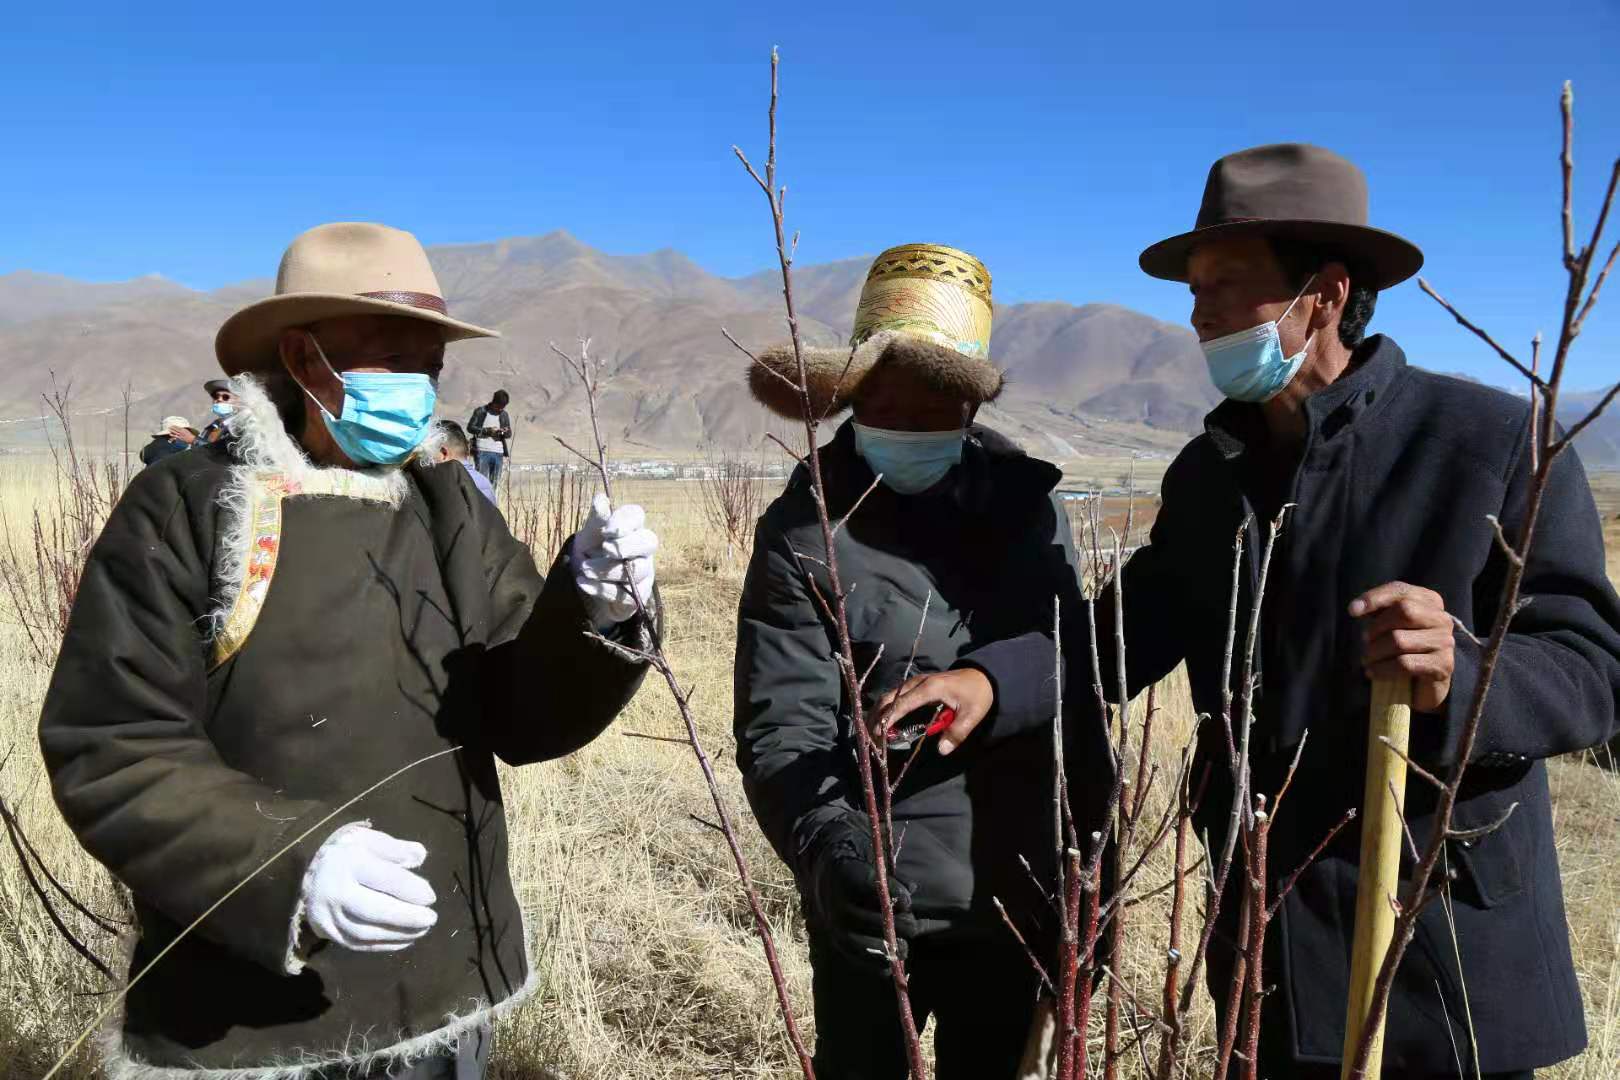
(1386, 259)
(834, 375)
(249, 342)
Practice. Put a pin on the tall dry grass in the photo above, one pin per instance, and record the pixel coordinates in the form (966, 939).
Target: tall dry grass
(653, 969)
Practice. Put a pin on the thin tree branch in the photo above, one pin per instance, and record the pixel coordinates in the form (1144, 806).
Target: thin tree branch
(1534, 378)
(1502, 544)
(654, 738)
(762, 365)
(1034, 961)
(1483, 830)
(656, 657)
(838, 387)
(1400, 815)
(706, 823)
(1591, 249)
(1411, 765)
(839, 524)
(105, 923)
(1566, 160)
(1603, 275)
(837, 610)
(1577, 266)
(67, 935)
(1131, 996)
(577, 453)
(1293, 767)
(792, 453)
(1163, 887)
(1584, 422)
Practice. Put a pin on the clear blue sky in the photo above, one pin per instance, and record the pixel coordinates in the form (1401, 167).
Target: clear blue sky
(1053, 142)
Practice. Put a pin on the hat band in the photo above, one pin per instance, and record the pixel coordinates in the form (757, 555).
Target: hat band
(427, 301)
(925, 331)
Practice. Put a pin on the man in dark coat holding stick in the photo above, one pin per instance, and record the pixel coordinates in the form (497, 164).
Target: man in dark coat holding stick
(1386, 568)
(275, 621)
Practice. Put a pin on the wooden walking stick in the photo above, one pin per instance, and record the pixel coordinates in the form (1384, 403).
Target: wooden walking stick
(1390, 717)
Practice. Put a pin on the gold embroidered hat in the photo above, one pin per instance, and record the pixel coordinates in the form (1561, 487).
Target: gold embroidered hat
(925, 307)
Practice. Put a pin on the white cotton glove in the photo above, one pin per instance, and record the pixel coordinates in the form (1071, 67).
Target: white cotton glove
(359, 891)
(607, 541)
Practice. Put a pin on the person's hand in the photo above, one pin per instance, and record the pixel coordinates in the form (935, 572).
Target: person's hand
(360, 892)
(1408, 635)
(613, 553)
(841, 892)
(185, 435)
(967, 691)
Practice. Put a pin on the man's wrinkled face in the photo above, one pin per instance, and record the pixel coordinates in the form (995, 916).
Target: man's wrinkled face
(1238, 283)
(899, 400)
(379, 343)
(361, 343)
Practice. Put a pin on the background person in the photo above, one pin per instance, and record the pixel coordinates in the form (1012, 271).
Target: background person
(491, 430)
(174, 436)
(454, 448)
(222, 403)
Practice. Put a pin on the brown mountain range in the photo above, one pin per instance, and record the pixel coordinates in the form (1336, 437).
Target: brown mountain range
(1080, 379)
(1090, 380)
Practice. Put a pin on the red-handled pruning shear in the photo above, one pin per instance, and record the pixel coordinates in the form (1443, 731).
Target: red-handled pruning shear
(902, 736)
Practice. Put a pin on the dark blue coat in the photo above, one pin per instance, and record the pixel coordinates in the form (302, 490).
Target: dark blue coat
(1399, 471)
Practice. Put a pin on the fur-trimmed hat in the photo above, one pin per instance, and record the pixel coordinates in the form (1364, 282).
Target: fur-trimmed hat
(923, 307)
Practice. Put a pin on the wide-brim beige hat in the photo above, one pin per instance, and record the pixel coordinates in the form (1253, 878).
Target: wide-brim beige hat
(173, 422)
(923, 307)
(345, 268)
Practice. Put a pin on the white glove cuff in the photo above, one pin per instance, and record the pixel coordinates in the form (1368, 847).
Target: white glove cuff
(294, 962)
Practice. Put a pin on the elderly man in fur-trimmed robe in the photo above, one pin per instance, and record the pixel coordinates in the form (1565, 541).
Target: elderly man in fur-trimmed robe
(266, 629)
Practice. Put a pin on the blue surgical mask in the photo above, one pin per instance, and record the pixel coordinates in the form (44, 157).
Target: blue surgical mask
(386, 414)
(909, 461)
(1249, 365)
(222, 408)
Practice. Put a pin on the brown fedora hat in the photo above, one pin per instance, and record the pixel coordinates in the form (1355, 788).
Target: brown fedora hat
(1295, 191)
(346, 268)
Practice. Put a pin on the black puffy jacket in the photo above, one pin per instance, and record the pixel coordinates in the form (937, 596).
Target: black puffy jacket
(985, 552)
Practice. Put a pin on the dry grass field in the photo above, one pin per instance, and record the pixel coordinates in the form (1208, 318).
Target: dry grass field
(652, 969)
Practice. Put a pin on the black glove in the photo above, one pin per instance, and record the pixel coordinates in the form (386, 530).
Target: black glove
(839, 885)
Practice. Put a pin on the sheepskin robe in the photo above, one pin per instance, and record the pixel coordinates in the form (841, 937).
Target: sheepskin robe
(256, 641)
